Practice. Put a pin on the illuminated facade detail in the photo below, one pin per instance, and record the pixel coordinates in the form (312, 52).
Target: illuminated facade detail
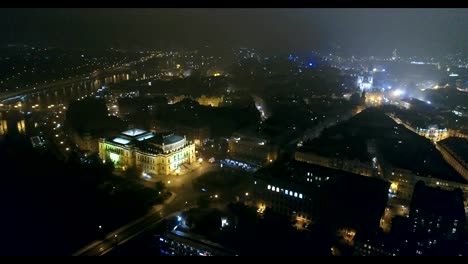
(3, 127)
(213, 101)
(153, 153)
(374, 98)
(433, 133)
(365, 81)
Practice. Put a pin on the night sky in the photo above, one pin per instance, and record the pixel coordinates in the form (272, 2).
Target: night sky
(357, 31)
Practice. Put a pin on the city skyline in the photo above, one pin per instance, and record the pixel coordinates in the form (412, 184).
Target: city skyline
(360, 31)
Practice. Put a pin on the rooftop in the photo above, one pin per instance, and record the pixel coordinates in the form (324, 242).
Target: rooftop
(437, 201)
(122, 141)
(165, 138)
(458, 147)
(134, 132)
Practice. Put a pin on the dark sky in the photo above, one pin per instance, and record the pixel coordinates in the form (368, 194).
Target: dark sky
(358, 31)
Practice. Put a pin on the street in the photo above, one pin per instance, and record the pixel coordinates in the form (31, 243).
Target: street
(183, 197)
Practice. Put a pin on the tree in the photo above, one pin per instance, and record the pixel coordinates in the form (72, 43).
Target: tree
(159, 186)
(132, 173)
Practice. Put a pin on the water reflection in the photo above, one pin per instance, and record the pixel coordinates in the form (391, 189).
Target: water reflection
(65, 94)
(21, 116)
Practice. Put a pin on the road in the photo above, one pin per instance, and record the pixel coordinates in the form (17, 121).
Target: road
(184, 197)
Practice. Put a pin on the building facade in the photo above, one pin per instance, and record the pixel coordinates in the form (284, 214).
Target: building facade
(251, 149)
(213, 101)
(433, 133)
(152, 153)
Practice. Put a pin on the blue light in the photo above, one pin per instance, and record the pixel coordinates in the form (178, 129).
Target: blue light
(179, 218)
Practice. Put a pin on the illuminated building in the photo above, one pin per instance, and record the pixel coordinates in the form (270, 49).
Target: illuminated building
(404, 181)
(309, 193)
(152, 153)
(213, 101)
(297, 198)
(176, 98)
(251, 148)
(365, 81)
(433, 133)
(374, 97)
(214, 72)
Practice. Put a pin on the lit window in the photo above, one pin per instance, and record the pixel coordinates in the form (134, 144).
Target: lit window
(286, 192)
(269, 187)
(295, 194)
(300, 195)
(277, 189)
(291, 193)
(308, 174)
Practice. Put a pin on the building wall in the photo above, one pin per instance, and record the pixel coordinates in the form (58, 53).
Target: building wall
(250, 151)
(125, 154)
(404, 180)
(86, 142)
(276, 196)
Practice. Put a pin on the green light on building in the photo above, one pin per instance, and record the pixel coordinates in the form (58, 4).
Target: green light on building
(114, 157)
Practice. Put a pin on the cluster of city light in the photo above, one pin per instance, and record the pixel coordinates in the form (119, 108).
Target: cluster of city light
(398, 92)
(286, 192)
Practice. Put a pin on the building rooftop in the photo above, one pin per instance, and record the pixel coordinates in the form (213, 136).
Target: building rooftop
(122, 141)
(458, 147)
(431, 200)
(165, 138)
(134, 132)
(146, 140)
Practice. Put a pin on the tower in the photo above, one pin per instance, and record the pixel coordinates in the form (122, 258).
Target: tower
(394, 54)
